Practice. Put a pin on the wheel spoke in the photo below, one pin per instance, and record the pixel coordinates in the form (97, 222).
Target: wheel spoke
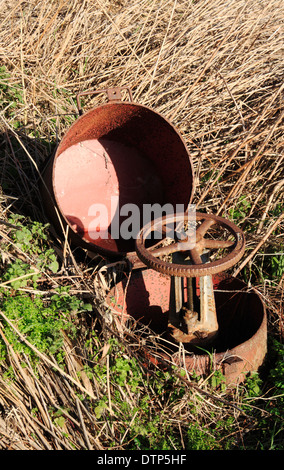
(202, 229)
(163, 250)
(195, 256)
(183, 246)
(207, 243)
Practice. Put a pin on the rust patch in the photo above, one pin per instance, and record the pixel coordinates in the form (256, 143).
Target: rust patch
(241, 344)
(152, 137)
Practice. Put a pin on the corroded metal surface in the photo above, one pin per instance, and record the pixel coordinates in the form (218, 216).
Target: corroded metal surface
(127, 150)
(241, 344)
(146, 297)
(147, 140)
(113, 94)
(198, 268)
(196, 327)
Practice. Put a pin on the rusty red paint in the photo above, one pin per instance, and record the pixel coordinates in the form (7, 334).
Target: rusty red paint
(241, 344)
(135, 140)
(142, 158)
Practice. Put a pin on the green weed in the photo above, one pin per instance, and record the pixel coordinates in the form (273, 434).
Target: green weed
(240, 210)
(32, 239)
(41, 321)
(267, 399)
(150, 406)
(10, 97)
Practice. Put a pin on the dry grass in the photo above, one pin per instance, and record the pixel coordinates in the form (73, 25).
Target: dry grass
(214, 68)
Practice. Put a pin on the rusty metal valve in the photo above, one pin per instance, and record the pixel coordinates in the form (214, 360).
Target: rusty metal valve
(187, 323)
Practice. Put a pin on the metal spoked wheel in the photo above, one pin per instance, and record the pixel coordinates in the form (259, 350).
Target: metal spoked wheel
(193, 244)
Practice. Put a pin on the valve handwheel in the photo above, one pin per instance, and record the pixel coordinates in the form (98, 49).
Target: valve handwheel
(149, 256)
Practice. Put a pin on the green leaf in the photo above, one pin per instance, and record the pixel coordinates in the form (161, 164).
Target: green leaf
(54, 266)
(60, 421)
